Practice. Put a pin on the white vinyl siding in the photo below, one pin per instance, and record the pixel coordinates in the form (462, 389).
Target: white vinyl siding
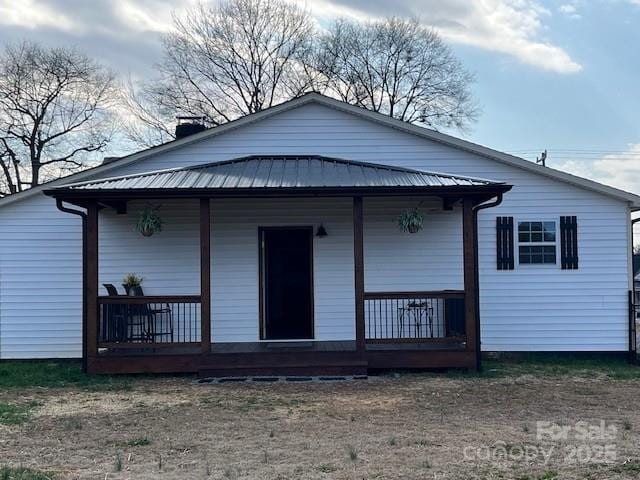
(524, 309)
(40, 281)
(428, 260)
(168, 261)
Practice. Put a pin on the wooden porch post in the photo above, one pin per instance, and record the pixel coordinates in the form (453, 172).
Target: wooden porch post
(470, 280)
(91, 260)
(358, 259)
(205, 275)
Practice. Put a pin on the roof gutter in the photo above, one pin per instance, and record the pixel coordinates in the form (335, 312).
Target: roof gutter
(476, 270)
(74, 195)
(83, 216)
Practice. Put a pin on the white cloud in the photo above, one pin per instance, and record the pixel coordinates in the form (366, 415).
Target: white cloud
(510, 27)
(515, 28)
(149, 15)
(32, 14)
(621, 170)
(570, 10)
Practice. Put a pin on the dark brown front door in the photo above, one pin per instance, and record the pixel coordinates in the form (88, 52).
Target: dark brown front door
(286, 261)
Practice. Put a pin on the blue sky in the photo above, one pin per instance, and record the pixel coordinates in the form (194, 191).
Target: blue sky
(595, 108)
(562, 75)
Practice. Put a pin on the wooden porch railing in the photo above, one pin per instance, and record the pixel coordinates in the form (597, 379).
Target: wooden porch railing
(392, 317)
(149, 321)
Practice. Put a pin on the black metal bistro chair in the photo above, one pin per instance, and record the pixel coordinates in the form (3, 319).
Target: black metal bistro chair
(417, 316)
(114, 318)
(155, 322)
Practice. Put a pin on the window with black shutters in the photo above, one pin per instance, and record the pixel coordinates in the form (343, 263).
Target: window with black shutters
(537, 242)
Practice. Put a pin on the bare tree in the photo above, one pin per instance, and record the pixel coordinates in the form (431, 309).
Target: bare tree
(151, 119)
(397, 67)
(232, 59)
(53, 113)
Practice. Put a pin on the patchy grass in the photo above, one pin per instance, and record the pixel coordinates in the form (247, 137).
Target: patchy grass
(555, 365)
(72, 423)
(353, 453)
(15, 414)
(549, 475)
(627, 467)
(65, 373)
(139, 442)
(412, 426)
(20, 473)
(57, 374)
(327, 468)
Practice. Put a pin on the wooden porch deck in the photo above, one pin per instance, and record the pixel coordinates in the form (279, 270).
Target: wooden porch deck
(173, 334)
(298, 358)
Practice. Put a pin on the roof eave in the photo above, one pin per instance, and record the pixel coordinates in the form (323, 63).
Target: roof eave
(479, 192)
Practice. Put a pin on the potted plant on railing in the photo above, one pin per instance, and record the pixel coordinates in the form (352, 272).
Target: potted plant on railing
(131, 282)
(411, 221)
(149, 221)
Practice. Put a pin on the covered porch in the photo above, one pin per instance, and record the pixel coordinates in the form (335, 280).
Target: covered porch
(281, 265)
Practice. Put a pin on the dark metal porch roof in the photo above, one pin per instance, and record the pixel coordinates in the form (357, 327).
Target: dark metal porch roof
(280, 172)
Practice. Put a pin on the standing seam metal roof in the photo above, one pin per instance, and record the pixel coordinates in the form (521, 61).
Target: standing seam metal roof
(281, 172)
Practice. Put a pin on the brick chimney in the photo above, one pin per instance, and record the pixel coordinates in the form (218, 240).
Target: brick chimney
(188, 126)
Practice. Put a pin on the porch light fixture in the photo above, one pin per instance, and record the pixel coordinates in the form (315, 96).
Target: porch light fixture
(322, 232)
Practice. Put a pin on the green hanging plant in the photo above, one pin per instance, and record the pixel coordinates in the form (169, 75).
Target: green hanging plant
(411, 221)
(149, 221)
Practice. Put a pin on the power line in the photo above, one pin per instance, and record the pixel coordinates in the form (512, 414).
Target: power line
(578, 151)
(576, 154)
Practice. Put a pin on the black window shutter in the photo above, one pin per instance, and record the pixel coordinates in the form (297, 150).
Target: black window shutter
(504, 243)
(569, 243)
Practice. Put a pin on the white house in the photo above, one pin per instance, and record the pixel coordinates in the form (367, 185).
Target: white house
(281, 251)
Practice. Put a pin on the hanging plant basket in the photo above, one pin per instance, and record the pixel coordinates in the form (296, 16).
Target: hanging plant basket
(149, 221)
(411, 221)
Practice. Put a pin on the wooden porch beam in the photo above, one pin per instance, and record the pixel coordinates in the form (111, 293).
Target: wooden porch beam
(120, 206)
(205, 275)
(470, 279)
(358, 260)
(91, 260)
(449, 202)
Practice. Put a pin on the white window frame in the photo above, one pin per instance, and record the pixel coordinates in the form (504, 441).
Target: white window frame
(555, 243)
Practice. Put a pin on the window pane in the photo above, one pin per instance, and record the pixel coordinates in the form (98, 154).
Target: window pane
(549, 231)
(536, 226)
(524, 237)
(537, 254)
(536, 236)
(523, 226)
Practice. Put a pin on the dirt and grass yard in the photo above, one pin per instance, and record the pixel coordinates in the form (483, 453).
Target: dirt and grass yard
(57, 423)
